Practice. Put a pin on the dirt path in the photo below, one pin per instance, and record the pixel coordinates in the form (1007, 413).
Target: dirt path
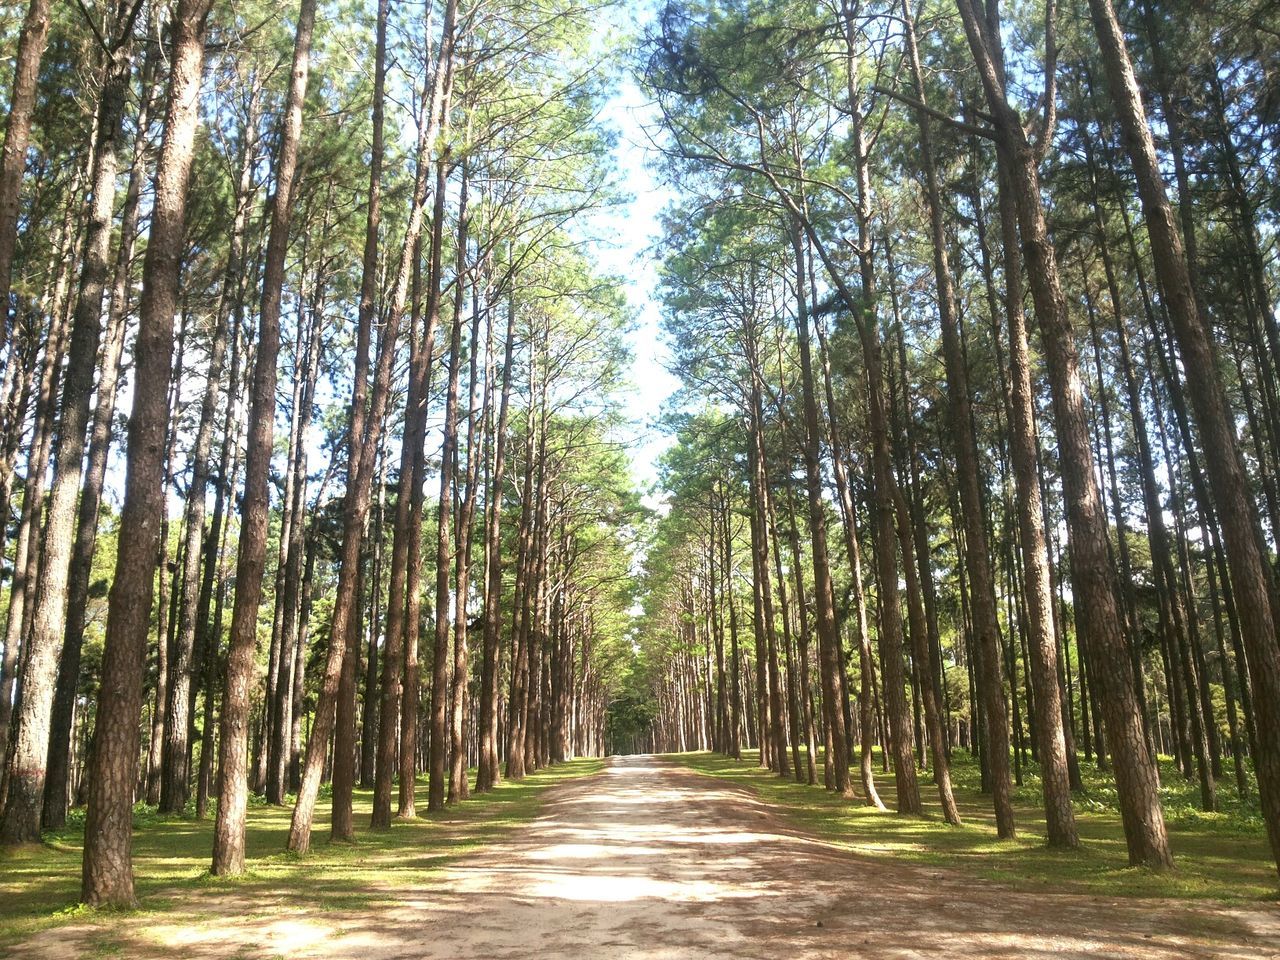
(653, 861)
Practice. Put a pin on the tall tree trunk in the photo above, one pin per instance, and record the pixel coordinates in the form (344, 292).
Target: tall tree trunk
(536, 637)
(1049, 729)
(802, 618)
(229, 826)
(27, 548)
(344, 735)
(56, 797)
(308, 348)
(1251, 577)
(30, 748)
(824, 600)
(389, 689)
(727, 572)
(1136, 777)
(490, 669)
(369, 696)
(410, 705)
(13, 162)
(439, 743)
(1174, 615)
(108, 869)
(209, 634)
(165, 600)
(977, 553)
(458, 788)
(362, 443)
(762, 576)
(520, 627)
(399, 656)
(848, 516)
(804, 771)
(175, 780)
(413, 465)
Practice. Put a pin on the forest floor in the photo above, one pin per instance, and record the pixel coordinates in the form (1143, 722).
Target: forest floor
(185, 912)
(1219, 856)
(649, 860)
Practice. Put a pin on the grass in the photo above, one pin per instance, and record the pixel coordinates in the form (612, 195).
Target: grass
(40, 884)
(1219, 856)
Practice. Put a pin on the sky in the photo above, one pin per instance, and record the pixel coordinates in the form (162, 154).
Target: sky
(632, 231)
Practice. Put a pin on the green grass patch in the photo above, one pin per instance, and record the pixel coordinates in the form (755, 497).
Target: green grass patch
(1219, 856)
(40, 884)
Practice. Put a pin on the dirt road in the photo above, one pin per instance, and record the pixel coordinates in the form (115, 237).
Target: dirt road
(652, 861)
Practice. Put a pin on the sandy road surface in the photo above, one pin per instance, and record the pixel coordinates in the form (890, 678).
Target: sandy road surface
(651, 861)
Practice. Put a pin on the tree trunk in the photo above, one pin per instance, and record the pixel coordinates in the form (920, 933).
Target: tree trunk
(56, 783)
(1049, 728)
(13, 162)
(209, 635)
(175, 780)
(490, 669)
(30, 747)
(108, 869)
(27, 548)
(976, 551)
(229, 827)
(457, 787)
(439, 743)
(824, 601)
(344, 735)
(362, 444)
(1251, 577)
(1136, 777)
(520, 630)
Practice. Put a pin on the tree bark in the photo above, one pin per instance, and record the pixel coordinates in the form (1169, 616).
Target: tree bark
(1050, 731)
(17, 132)
(344, 735)
(490, 669)
(30, 747)
(976, 549)
(458, 787)
(1251, 577)
(108, 870)
(439, 742)
(229, 826)
(361, 446)
(824, 600)
(175, 779)
(56, 797)
(1136, 777)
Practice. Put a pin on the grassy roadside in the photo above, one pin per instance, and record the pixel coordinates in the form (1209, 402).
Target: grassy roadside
(1219, 856)
(39, 885)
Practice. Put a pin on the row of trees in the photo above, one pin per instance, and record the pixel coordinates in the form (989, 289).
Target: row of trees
(901, 514)
(329, 261)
